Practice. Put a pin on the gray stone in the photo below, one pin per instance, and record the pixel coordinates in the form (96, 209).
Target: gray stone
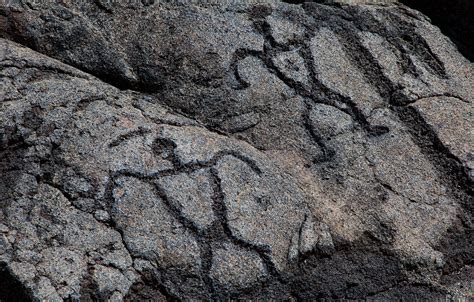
(102, 215)
(64, 268)
(252, 201)
(283, 30)
(293, 66)
(232, 151)
(452, 120)
(110, 280)
(329, 121)
(149, 229)
(192, 194)
(336, 71)
(235, 267)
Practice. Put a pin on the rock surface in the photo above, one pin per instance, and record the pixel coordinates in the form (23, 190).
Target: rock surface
(216, 151)
(454, 19)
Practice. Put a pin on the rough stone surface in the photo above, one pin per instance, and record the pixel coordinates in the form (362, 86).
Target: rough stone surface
(454, 19)
(233, 151)
(233, 266)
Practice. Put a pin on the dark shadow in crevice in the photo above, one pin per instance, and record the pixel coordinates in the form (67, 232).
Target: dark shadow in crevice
(454, 18)
(10, 288)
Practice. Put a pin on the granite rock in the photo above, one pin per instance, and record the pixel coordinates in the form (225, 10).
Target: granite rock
(230, 150)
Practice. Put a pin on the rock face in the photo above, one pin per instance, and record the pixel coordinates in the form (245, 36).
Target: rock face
(214, 151)
(454, 19)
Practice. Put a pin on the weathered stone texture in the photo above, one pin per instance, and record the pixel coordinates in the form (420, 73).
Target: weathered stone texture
(221, 151)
